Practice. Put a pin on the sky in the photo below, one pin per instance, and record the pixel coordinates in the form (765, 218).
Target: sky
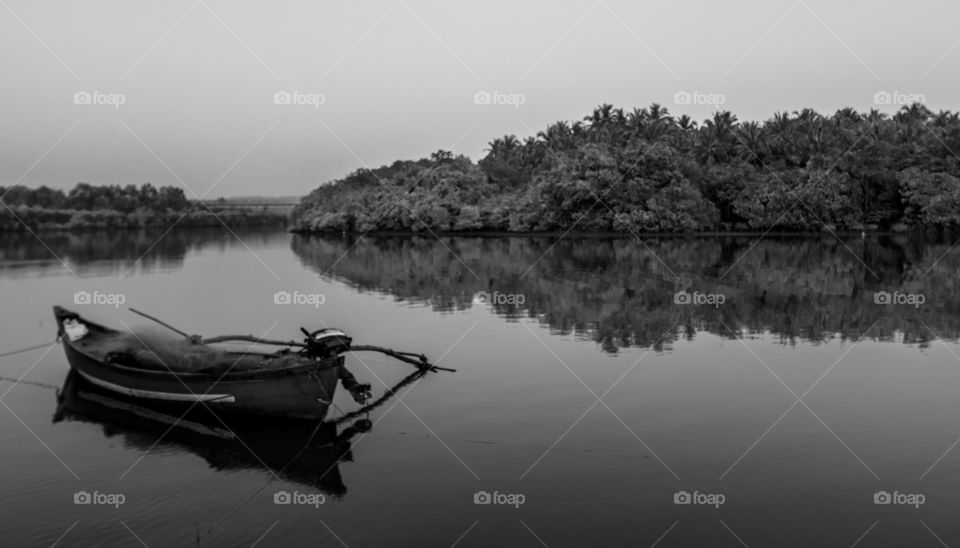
(231, 98)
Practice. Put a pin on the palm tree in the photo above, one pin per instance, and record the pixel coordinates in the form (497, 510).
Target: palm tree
(617, 117)
(945, 119)
(683, 127)
(556, 136)
(781, 139)
(659, 122)
(636, 118)
(750, 142)
(503, 148)
(601, 116)
(658, 113)
(495, 146)
(715, 136)
(577, 128)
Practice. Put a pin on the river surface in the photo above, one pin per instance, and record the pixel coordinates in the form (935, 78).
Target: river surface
(781, 386)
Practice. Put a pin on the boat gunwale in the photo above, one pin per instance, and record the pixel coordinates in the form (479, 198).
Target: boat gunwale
(169, 374)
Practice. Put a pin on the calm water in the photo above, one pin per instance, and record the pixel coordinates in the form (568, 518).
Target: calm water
(582, 385)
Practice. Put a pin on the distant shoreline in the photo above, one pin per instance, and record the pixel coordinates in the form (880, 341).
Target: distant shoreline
(22, 219)
(129, 207)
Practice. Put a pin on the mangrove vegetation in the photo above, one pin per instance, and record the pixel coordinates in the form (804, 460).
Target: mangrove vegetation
(645, 170)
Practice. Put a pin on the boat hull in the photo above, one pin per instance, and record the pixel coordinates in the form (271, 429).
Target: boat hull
(303, 394)
(302, 389)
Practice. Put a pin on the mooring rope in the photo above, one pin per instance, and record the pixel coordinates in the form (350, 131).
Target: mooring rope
(15, 380)
(22, 350)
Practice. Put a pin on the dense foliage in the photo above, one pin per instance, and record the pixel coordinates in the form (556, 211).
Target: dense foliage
(647, 171)
(114, 207)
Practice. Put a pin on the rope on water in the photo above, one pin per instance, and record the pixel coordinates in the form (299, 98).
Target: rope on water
(15, 380)
(22, 350)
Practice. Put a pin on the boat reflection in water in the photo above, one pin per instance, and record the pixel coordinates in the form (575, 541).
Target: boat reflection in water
(301, 451)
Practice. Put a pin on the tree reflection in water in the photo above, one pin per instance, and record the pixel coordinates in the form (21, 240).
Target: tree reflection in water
(101, 252)
(619, 292)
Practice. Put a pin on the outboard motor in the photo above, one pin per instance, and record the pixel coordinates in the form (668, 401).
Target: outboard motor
(325, 343)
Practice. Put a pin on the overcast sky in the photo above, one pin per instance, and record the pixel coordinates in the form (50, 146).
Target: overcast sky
(197, 80)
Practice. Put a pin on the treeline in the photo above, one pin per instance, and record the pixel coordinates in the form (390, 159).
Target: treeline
(648, 171)
(116, 207)
(87, 197)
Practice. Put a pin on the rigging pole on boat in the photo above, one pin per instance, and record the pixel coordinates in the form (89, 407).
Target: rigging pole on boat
(418, 360)
(168, 326)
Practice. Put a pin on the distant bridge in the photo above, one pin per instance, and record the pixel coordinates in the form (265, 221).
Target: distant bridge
(249, 205)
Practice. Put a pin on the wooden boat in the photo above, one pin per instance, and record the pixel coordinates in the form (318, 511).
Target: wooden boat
(305, 452)
(289, 384)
